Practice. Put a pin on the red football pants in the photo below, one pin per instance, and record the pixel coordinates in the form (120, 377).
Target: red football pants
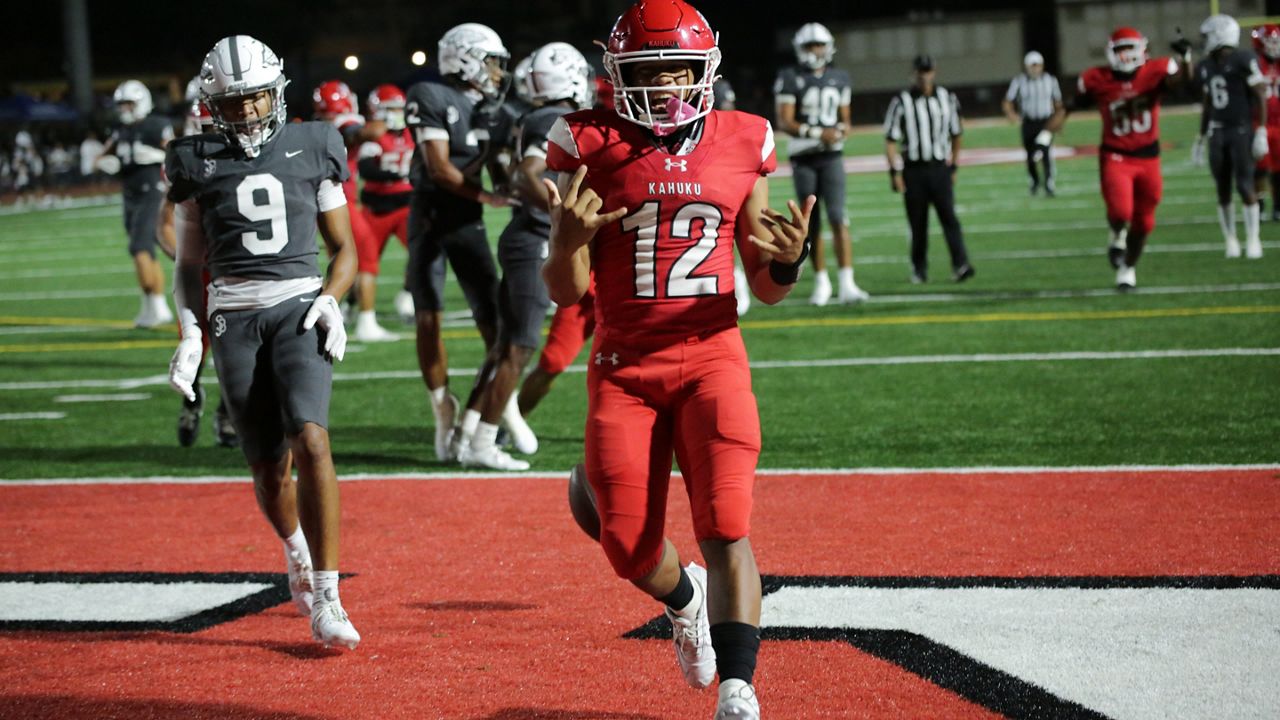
(570, 327)
(693, 398)
(1132, 188)
(380, 228)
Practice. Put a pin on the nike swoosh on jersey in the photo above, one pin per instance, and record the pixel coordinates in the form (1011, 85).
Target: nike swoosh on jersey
(291, 154)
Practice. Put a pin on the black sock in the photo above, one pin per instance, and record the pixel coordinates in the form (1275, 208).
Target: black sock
(736, 645)
(679, 598)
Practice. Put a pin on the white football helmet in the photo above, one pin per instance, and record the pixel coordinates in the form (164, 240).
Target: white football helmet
(520, 78)
(132, 91)
(1220, 31)
(467, 50)
(557, 71)
(809, 34)
(238, 66)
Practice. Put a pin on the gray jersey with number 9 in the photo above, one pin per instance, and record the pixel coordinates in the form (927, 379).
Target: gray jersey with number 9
(258, 214)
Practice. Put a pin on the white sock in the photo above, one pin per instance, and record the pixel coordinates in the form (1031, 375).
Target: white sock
(1227, 220)
(438, 397)
(470, 420)
(1252, 218)
(1118, 237)
(485, 435)
(324, 583)
(822, 279)
(846, 277)
(297, 542)
(367, 317)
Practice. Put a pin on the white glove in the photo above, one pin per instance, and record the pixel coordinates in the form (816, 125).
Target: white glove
(1197, 151)
(326, 312)
(1260, 146)
(186, 362)
(1044, 139)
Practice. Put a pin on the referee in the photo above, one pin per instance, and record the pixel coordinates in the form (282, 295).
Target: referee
(1034, 99)
(922, 143)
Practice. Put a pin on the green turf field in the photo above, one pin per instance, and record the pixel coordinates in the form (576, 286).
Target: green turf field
(1035, 362)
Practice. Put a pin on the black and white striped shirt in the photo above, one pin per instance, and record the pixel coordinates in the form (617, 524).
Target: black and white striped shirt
(924, 124)
(1034, 99)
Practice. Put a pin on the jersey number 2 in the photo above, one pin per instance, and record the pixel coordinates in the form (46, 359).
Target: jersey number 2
(681, 282)
(271, 211)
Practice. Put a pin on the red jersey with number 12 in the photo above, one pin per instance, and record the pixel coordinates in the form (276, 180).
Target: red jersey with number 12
(666, 269)
(1130, 106)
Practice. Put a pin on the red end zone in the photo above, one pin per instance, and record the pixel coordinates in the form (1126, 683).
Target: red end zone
(478, 598)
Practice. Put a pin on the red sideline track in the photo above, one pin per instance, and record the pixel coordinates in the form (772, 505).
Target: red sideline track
(478, 598)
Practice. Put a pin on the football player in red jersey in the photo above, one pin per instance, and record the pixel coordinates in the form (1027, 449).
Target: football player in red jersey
(1127, 92)
(384, 166)
(651, 199)
(1266, 41)
(334, 102)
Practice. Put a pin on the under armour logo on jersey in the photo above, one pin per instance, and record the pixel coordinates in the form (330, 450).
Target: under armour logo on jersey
(219, 325)
(673, 163)
(601, 358)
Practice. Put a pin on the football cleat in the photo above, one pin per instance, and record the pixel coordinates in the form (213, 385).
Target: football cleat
(692, 637)
(1233, 248)
(445, 416)
(523, 438)
(1253, 249)
(1115, 253)
(821, 290)
(331, 627)
(962, 273)
(737, 700)
(851, 295)
(189, 419)
(223, 429)
(370, 331)
(404, 306)
(918, 277)
(492, 457)
(299, 566)
(1126, 278)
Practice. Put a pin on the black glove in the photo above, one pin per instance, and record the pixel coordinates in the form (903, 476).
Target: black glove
(1182, 46)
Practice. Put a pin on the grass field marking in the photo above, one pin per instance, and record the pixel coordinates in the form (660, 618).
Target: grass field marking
(122, 397)
(4, 417)
(898, 229)
(844, 473)
(47, 330)
(1053, 316)
(971, 295)
(37, 320)
(90, 346)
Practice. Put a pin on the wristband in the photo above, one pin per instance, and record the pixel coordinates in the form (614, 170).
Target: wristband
(788, 274)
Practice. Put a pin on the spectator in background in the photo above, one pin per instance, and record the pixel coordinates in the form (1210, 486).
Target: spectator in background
(90, 148)
(922, 143)
(1035, 100)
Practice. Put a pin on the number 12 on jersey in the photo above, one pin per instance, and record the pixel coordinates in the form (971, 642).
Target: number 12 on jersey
(681, 280)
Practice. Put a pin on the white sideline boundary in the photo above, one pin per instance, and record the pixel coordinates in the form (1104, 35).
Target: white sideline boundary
(773, 472)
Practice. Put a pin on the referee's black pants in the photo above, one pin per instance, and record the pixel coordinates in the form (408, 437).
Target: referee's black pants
(1030, 129)
(929, 183)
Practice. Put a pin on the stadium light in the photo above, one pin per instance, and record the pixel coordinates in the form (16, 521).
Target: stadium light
(419, 58)
(351, 63)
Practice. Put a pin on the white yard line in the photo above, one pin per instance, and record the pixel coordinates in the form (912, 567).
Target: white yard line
(153, 380)
(32, 416)
(849, 473)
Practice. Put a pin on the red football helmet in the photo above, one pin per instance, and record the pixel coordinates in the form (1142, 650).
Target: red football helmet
(386, 103)
(1126, 50)
(1266, 40)
(666, 30)
(200, 116)
(333, 98)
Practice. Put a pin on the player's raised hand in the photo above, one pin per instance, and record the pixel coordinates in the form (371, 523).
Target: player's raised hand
(785, 243)
(576, 217)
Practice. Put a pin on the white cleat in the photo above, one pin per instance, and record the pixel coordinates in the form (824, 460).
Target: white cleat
(372, 332)
(445, 417)
(1253, 249)
(737, 700)
(1126, 278)
(331, 627)
(300, 582)
(492, 457)
(851, 295)
(404, 306)
(523, 438)
(692, 638)
(1233, 248)
(160, 313)
(821, 290)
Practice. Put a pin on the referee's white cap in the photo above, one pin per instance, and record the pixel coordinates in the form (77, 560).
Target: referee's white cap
(1033, 58)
